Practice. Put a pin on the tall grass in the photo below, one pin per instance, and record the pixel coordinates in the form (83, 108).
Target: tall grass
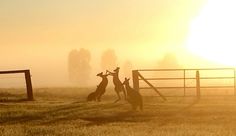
(64, 111)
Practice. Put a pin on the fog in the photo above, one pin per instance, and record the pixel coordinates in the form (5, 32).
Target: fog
(40, 35)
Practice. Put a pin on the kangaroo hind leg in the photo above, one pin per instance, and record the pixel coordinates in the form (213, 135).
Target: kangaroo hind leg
(118, 94)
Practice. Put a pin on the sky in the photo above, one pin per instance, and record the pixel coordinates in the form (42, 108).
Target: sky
(40, 34)
(212, 32)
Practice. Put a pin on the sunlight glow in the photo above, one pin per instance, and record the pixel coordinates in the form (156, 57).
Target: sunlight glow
(213, 33)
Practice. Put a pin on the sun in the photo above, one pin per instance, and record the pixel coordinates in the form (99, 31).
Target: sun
(213, 33)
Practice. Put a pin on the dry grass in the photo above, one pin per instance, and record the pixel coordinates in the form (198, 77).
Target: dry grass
(63, 111)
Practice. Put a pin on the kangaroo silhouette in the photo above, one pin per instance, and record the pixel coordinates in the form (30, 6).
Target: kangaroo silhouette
(92, 96)
(133, 96)
(118, 84)
(101, 88)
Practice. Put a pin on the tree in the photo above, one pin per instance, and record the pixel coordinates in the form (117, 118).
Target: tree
(79, 66)
(108, 60)
(169, 61)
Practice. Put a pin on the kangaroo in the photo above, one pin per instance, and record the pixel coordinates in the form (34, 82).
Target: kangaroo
(92, 96)
(133, 96)
(118, 84)
(101, 89)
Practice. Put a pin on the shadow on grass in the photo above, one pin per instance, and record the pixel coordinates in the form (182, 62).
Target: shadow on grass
(13, 100)
(97, 114)
(88, 113)
(94, 113)
(128, 116)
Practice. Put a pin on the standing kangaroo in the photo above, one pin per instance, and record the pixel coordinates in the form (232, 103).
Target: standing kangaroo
(133, 96)
(101, 88)
(118, 84)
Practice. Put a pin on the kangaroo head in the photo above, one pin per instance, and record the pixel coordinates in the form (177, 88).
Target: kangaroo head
(105, 75)
(126, 82)
(117, 70)
(100, 74)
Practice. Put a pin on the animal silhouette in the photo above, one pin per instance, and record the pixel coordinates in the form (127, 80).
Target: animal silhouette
(92, 97)
(101, 88)
(133, 96)
(118, 84)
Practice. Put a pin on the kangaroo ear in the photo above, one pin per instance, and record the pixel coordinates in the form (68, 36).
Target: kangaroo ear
(128, 79)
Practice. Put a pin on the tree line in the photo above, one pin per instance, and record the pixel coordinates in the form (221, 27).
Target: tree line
(79, 64)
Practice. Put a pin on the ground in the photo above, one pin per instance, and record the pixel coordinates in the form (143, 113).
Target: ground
(64, 111)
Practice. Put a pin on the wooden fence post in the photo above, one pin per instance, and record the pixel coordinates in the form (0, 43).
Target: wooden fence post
(198, 84)
(135, 75)
(29, 85)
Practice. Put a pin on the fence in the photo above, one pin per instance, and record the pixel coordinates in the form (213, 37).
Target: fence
(183, 76)
(27, 81)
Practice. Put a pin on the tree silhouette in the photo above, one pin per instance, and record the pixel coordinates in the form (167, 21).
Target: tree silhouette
(108, 59)
(169, 61)
(79, 66)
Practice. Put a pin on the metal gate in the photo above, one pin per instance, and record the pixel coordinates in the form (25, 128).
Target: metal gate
(220, 78)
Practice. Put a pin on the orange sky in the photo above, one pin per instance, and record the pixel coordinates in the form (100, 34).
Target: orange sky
(36, 34)
(90, 23)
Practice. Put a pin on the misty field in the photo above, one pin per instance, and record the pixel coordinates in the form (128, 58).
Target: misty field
(64, 111)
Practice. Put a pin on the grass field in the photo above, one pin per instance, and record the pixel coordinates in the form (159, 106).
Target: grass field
(64, 111)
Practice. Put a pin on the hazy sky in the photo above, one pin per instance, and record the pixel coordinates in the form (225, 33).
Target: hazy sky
(38, 33)
(95, 22)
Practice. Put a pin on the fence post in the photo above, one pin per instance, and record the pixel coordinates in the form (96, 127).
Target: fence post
(234, 83)
(29, 85)
(184, 82)
(135, 75)
(198, 84)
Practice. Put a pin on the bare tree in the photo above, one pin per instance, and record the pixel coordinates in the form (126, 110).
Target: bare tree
(108, 59)
(79, 66)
